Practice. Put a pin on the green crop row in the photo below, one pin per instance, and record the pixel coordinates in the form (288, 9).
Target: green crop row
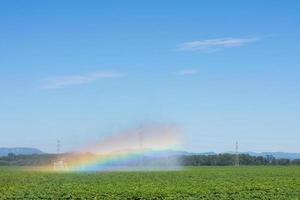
(264, 182)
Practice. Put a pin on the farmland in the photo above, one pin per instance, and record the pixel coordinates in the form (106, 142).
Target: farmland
(253, 182)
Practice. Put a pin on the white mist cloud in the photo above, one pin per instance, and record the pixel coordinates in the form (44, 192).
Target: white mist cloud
(187, 72)
(151, 136)
(215, 44)
(71, 80)
(146, 147)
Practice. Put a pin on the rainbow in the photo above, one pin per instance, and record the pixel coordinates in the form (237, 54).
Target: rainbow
(118, 161)
(127, 151)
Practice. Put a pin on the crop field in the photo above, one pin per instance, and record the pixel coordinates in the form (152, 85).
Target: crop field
(264, 182)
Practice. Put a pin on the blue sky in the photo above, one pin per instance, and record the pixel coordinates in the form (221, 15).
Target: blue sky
(81, 71)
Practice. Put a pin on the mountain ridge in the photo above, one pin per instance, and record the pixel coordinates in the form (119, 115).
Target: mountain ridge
(4, 151)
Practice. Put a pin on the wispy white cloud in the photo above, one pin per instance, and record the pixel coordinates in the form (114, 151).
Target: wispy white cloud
(65, 81)
(187, 72)
(215, 44)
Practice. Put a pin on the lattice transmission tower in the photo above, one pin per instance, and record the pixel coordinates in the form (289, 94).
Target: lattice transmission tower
(59, 163)
(237, 156)
(58, 147)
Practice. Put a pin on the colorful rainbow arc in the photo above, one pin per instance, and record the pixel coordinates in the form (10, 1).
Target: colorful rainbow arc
(118, 161)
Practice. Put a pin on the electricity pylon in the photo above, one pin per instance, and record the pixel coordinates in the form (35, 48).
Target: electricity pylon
(237, 157)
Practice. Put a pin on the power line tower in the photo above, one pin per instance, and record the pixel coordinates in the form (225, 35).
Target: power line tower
(59, 163)
(236, 157)
(58, 147)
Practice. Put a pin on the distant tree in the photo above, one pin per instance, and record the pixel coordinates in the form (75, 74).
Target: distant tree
(295, 162)
(11, 156)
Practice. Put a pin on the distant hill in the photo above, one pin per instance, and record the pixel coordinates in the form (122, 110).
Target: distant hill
(277, 155)
(19, 151)
(169, 152)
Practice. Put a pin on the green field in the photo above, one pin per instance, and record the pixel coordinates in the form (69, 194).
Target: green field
(265, 182)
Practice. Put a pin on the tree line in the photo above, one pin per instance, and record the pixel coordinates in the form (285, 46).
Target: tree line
(185, 160)
(230, 159)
